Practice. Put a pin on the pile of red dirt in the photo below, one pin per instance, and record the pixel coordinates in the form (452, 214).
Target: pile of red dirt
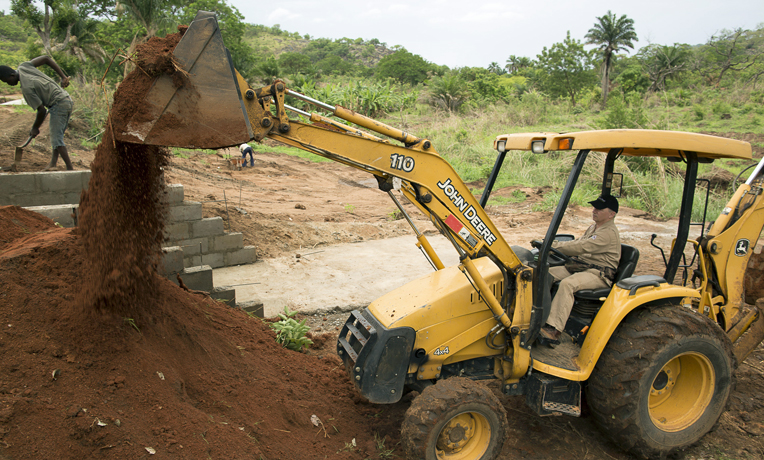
(193, 379)
(101, 357)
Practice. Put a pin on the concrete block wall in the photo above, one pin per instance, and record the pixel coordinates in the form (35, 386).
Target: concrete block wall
(196, 244)
(203, 240)
(195, 278)
(43, 188)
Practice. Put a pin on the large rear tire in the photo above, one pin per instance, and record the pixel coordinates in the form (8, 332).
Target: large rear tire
(663, 380)
(455, 419)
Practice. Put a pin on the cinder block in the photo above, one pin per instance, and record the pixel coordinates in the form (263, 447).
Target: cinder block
(253, 307)
(176, 231)
(213, 259)
(63, 214)
(72, 197)
(62, 181)
(15, 184)
(225, 294)
(173, 194)
(198, 278)
(172, 261)
(38, 199)
(194, 246)
(228, 242)
(188, 210)
(209, 226)
(245, 255)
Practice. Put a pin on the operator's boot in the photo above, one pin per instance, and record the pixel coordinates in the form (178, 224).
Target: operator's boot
(251, 162)
(549, 336)
(53, 160)
(65, 156)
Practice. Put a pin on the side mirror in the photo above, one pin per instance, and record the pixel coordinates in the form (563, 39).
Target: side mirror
(616, 184)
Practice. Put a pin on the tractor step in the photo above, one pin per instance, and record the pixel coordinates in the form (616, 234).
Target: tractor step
(548, 395)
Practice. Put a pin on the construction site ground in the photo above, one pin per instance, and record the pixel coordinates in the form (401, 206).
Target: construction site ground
(327, 241)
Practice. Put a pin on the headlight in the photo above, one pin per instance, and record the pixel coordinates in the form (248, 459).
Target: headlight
(537, 146)
(501, 146)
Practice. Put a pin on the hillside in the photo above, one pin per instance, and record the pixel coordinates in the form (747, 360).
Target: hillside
(272, 41)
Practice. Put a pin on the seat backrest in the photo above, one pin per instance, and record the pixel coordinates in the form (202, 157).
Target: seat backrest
(628, 262)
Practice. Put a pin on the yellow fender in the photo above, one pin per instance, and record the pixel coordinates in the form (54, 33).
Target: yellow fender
(619, 303)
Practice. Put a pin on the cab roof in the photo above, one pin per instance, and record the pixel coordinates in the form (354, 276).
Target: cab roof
(635, 142)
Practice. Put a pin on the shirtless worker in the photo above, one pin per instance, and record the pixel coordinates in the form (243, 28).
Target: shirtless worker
(45, 96)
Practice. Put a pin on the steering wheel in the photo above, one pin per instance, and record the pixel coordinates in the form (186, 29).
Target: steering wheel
(557, 258)
(559, 254)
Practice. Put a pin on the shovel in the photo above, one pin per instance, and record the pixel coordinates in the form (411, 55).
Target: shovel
(17, 156)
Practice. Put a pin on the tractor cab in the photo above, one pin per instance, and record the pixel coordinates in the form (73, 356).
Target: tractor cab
(688, 148)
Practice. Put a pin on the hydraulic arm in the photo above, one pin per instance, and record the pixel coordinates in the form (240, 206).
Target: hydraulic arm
(215, 108)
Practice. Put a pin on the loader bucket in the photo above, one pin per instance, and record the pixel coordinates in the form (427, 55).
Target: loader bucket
(200, 106)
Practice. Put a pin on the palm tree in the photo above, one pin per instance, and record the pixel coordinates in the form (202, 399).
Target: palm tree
(663, 62)
(611, 35)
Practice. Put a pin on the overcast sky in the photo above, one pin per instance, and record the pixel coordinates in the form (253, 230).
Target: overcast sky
(458, 33)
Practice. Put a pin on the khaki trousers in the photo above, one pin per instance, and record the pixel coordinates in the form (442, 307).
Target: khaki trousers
(562, 303)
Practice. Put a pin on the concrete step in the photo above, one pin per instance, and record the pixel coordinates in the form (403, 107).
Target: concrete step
(65, 215)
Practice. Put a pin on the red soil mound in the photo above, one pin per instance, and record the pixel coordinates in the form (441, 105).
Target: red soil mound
(194, 379)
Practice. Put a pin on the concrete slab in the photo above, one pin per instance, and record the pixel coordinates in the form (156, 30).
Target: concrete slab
(335, 278)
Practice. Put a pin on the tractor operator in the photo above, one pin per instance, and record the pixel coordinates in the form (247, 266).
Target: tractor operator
(44, 95)
(596, 257)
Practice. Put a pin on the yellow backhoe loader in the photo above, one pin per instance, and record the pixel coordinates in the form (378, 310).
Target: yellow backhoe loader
(653, 355)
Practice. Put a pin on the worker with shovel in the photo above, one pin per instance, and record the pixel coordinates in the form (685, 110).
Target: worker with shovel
(46, 96)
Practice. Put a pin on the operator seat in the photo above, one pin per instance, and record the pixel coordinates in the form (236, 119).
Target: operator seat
(587, 301)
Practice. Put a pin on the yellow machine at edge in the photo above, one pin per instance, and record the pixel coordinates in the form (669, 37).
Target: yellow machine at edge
(654, 355)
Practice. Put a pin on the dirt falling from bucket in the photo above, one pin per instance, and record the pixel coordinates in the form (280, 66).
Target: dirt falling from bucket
(121, 225)
(121, 220)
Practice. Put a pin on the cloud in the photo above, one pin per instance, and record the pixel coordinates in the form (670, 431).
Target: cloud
(280, 14)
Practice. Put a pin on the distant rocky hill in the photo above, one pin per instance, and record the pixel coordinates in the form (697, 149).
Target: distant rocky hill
(272, 41)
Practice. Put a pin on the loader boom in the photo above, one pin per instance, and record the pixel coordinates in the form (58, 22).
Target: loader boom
(215, 108)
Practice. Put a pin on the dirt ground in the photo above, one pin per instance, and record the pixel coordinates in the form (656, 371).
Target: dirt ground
(188, 378)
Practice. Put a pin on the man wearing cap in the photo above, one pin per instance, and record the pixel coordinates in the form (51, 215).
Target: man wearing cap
(598, 250)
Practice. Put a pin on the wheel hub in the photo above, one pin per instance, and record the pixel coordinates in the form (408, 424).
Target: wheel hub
(457, 433)
(681, 391)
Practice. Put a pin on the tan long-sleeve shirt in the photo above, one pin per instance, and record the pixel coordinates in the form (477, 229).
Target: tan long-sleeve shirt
(601, 246)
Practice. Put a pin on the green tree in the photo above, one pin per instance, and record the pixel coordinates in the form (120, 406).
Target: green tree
(567, 69)
(404, 67)
(730, 51)
(334, 65)
(664, 62)
(268, 70)
(631, 76)
(495, 68)
(295, 63)
(611, 35)
(54, 13)
(517, 63)
(448, 92)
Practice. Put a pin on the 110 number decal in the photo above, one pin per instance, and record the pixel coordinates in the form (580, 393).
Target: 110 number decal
(401, 162)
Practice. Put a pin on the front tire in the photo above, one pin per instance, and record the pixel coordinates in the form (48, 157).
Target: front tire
(455, 419)
(663, 380)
